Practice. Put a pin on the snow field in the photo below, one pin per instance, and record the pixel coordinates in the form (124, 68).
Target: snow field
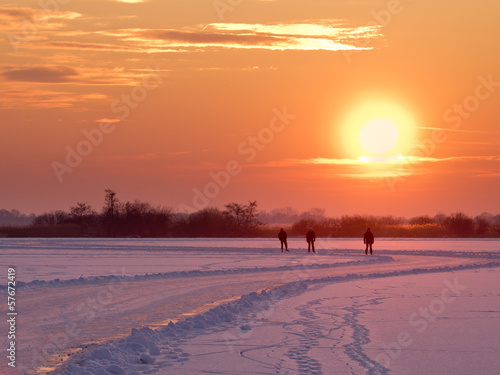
(92, 294)
(319, 336)
(49, 259)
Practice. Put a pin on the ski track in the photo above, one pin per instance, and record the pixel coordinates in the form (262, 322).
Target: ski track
(148, 351)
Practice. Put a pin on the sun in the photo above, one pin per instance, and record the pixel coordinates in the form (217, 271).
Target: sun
(377, 128)
(379, 135)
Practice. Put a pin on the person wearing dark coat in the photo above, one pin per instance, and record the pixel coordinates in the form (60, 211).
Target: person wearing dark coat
(310, 238)
(368, 239)
(282, 236)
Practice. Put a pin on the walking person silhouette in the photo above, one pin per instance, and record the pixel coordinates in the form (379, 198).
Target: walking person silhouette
(368, 239)
(310, 238)
(282, 237)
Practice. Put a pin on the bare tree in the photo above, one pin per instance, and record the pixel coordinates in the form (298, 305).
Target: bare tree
(483, 222)
(421, 220)
(81, 211)
(110, 203)
(83, 215)
(110, 211)
(460, 224)
(244, 216)
(52, 218)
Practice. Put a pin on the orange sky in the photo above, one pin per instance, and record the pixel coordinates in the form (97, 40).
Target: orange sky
(190, 103)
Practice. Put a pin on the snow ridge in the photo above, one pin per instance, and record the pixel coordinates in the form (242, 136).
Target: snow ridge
(193, 273)
(150, 351)
(433, 253)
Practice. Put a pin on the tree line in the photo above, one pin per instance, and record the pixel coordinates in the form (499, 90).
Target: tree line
(142, 219)
(14, 217)
(455, 225)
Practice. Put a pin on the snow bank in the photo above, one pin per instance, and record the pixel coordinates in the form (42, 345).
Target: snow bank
(136, 353)
(65, 259)
(432, 253)
(382, 256)
(193, 273)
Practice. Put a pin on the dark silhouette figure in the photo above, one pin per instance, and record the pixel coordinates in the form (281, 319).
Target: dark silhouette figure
(368, 239)
(282, 236)
(310, 238)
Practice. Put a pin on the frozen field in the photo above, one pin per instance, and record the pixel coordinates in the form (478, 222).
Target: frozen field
(211, 306)
(40, 259)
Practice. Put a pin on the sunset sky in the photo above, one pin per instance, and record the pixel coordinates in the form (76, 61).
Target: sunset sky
(355, 106)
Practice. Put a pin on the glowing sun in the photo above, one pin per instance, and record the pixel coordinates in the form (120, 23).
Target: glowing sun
(377, 128)
(379, 135)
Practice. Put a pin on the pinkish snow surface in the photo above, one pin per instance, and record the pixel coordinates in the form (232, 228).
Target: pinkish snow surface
(334, 312)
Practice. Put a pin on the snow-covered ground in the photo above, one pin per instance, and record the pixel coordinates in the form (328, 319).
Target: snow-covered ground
(142, 306)
(40, 259)
(444, 323)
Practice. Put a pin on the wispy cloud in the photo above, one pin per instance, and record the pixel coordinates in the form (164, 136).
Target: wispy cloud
(87, 46)
(384, 160)
(62, 74)
(53, 30)
(492, 158)
(21, 92)
(492, 142)
(38, 98)
(386, 167)
(109, 120)
(487, 174)
(120, 46)
(16, 13)
(41, 74)
(27, 20)
(303, 36)
(454, 130)
(377, 160)
(150, 156)
(130, 1)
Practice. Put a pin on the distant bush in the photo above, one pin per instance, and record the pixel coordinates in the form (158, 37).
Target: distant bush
(421, 220)
(53, 230)
(459, 225)
(417, 230)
